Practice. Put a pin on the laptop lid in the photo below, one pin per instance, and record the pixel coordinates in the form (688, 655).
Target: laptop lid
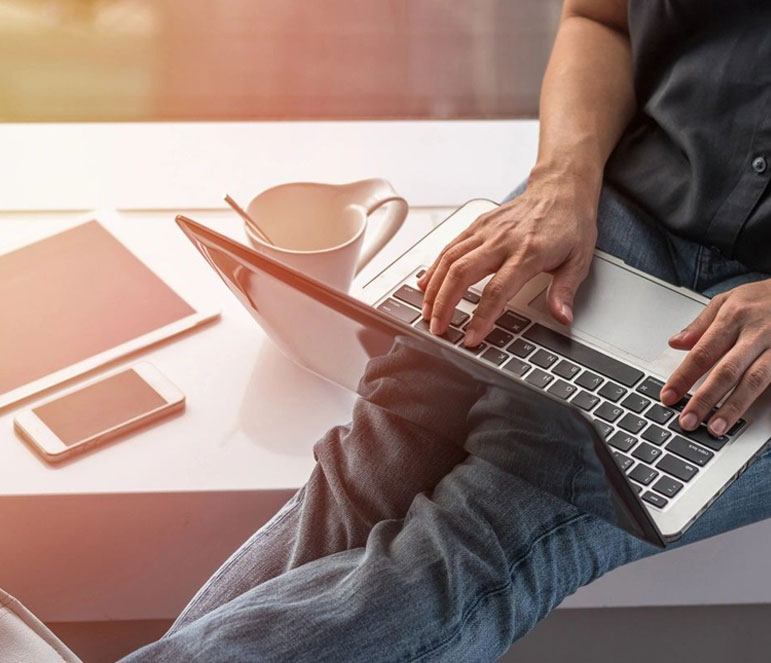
(416, 377)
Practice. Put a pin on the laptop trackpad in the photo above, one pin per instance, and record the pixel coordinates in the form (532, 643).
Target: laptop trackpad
(627, 311)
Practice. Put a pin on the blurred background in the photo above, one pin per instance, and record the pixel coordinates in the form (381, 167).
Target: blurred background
(112, 60)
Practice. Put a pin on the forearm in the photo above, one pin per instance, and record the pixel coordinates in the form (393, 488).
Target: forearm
(587, 97)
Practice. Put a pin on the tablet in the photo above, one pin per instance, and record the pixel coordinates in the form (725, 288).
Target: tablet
(76, 300)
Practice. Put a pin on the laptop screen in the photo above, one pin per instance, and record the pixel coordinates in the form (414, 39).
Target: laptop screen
(406, 378)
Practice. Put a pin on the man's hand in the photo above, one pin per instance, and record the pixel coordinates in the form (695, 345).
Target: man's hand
(552, 228)
(733, 335)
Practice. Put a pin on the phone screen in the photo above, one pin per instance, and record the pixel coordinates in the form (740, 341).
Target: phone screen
(99, 407)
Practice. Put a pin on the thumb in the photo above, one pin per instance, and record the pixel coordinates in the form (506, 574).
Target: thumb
(562, 290)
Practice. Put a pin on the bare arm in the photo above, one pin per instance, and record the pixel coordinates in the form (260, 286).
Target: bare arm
(587, 99)
(587, 96)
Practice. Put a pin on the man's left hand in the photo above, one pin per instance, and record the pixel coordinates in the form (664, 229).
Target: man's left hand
(732, 336)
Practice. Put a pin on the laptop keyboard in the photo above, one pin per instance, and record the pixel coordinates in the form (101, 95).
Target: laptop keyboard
(661, 459)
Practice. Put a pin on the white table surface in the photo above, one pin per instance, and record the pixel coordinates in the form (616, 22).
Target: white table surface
(130, 531)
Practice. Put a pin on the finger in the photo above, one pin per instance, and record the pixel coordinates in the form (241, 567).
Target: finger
(450, 256)
(500, 289)
(562, 289)
(685, 339)
(753, 383)
(725, 376)
(714, 343)
(461, 274)
(424, 280)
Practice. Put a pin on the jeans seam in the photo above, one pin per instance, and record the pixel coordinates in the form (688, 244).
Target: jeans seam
(697, 271)
(497, 590)
(236, 557)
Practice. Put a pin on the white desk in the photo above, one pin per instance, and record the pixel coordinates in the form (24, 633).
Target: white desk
(130, 531)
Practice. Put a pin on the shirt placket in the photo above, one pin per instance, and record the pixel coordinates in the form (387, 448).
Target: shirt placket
(725, 227)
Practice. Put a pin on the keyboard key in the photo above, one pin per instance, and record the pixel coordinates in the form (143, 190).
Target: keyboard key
(566, 370)
(458, 318)
(589, 380)
(635, 403)
(637, 487)
(516, 366)
(656, 434)
(521, 348)
(605, 429)
(736, 428)
(701, 435)
(512, 322)
(472, 297)
(667, 486)
(420, 273)
(544, 358)
(659, 414)
(608, 412)
(622, 441)
(495, 356)
(682, 403)
(585, 400)
(612, 392)
(643, 474)
(690, 451)
(498, 337)
(654, 499)
(677, 468)
(647, 453)
(410, 295)
(452, 335)
(651, 387)
(583, 354)
(539, 378)
(623, 461)
(562, 389)
(399, 311)
(632, 423)
(475, 349)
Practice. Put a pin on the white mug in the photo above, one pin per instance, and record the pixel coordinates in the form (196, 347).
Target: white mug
(319, 229)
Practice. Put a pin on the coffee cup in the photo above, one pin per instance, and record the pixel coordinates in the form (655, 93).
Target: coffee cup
(325, 230)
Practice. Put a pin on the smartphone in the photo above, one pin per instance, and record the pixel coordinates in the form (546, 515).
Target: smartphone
(99, 411)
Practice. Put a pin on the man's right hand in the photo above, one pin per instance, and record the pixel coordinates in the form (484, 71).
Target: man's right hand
(552, 228)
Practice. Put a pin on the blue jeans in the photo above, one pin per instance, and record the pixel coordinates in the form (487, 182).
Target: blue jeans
(411, 546)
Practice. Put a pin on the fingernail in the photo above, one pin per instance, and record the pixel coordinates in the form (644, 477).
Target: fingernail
(679, 336)
(425, 312)
(718, 426)
(471, 339)
(689, 421)
(668, 396)
(434, 326)
(567, 312)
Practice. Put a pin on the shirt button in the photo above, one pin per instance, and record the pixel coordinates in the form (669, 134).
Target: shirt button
(759, 165)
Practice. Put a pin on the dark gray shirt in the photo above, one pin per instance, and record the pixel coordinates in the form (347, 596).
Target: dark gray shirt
(697, 156)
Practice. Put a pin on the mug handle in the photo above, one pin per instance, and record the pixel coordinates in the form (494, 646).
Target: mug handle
(376, 193)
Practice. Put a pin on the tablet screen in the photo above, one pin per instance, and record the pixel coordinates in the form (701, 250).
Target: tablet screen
(72, 296)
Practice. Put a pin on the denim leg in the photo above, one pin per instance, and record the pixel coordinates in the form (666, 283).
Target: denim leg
(717, 274)
(470, 569)
(367, 471)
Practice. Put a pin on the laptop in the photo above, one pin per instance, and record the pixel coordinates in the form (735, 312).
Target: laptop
(620, 453)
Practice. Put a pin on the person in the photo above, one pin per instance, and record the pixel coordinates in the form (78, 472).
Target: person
(423, 543)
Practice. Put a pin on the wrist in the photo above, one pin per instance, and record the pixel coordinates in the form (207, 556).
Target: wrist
(578, 183)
